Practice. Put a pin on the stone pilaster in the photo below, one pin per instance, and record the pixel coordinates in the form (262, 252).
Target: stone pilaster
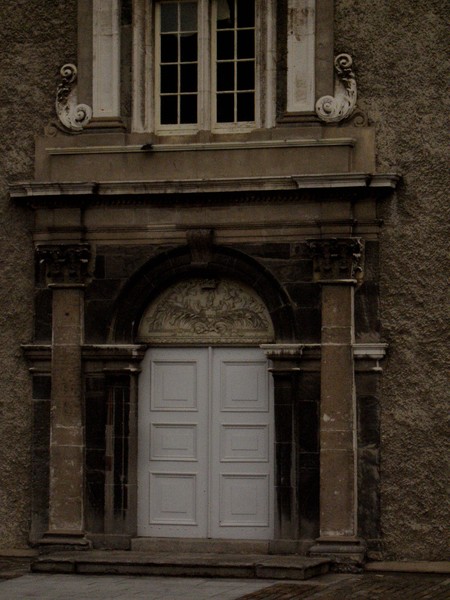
(66, 268)
(338, 269)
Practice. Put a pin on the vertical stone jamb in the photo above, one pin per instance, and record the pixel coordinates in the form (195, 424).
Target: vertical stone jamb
(285, 367)
(338, 268)
(66, 271)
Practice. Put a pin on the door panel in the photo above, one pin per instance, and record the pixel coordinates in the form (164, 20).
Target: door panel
(172, 461)
(205, 444)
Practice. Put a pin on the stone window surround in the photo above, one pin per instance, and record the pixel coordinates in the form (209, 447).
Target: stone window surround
(99, 51)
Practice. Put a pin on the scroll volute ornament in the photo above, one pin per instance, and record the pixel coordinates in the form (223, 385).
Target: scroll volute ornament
(73, 116)
(333, 109)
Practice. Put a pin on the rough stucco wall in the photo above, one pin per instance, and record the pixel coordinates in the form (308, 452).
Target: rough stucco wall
(399, 49)
(36, 37)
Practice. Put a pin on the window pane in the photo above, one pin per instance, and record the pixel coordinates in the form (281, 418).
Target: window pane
(169, 79)
(169, 48)
(225, 108)
(225, 14)
(246, 107)
(188, 108)
(225, 45)
(188, 48)
(188, 78)
(246, 44)
(169, 110)
(169, 16)
(246, 75)
(225, 76)
(188, 16)
(245, 13)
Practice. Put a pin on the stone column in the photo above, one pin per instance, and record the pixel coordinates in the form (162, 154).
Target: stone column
(338, 268)
(66, 270)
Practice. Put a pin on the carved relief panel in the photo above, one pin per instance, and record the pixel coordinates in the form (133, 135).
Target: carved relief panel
(207, 311)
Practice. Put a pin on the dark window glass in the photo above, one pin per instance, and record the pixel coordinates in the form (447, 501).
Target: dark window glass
(169, 48)
(245, 13)
(188, 78)
(169, 79)
(225, 108)
(169, 16)
(188, 48)
(188, 108)
(246, 75)
(225, 45)
(225, 14)
(188, 16)
(246, 106)
(246, 44)
(169, 114)
(225, 76)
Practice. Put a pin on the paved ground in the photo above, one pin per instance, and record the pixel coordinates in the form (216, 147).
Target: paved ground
(326, 587)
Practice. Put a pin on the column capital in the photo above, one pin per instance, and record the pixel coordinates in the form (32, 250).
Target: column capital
(337, 260)
(65, 264)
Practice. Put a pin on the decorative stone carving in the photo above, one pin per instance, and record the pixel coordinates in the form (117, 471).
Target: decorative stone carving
(207, 311)
(337, 259)
(73, 116)
(65, 263)
(200, 243)
(333, 109)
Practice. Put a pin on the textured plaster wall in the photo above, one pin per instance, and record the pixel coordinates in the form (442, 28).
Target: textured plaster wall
(400, 50)
(36, 37)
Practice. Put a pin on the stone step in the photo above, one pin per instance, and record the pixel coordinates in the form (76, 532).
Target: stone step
(260, 566)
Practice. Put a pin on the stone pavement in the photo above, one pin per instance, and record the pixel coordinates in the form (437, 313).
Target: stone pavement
(369, 586)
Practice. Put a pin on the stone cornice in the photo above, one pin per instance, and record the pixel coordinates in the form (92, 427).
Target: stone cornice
(33, 189)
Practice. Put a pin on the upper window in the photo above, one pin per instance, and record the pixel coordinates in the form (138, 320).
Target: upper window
(205, 64)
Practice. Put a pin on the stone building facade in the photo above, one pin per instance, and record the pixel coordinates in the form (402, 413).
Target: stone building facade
(221, 287)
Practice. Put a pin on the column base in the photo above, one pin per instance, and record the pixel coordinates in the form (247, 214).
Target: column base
(61, 541)
(347, 554)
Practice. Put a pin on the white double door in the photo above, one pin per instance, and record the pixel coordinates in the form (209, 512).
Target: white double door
(205, 455)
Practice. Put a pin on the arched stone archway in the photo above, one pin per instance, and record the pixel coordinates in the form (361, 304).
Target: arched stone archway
(176, 265)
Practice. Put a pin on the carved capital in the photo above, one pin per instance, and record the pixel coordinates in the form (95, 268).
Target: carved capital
(333, 109)
(337, 259)
(73, 116)
(65, 263)
(200, 243)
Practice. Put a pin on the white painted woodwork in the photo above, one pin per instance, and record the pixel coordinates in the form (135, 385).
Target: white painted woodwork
(301, 55)
(205, 466)
(106, 59)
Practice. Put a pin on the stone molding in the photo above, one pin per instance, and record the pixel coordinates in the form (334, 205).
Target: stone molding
(337, 260)
(373, 352)
(72, 116)
(333, 109)
(65, 264)
(107, 190)
(207, 311)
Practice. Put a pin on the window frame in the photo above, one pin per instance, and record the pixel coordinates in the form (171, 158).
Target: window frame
(145, 113)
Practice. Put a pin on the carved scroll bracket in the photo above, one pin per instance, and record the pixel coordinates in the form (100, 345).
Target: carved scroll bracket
(333, 109)
(73, 116)
(337, 260)
(65, 264)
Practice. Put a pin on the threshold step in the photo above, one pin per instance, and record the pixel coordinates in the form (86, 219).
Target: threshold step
(260, 566)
